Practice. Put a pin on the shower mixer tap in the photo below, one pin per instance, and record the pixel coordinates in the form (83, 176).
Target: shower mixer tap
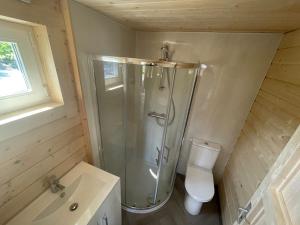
(157, 115)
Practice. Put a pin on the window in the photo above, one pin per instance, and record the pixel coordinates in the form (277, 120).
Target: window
(23, 81)
(13, 78)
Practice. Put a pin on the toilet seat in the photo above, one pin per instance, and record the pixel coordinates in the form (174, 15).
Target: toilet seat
(199, 183)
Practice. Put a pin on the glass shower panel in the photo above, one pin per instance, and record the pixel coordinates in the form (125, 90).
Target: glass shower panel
(110, 97)
(144, 100)
(180, 101)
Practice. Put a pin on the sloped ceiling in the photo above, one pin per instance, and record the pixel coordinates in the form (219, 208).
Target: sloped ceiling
(203, 15)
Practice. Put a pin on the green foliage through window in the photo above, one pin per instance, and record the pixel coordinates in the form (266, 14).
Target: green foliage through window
(7, 55)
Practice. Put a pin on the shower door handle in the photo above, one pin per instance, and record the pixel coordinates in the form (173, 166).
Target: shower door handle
(158, 156)
(105, 220)
(157, 115)
(166, 157)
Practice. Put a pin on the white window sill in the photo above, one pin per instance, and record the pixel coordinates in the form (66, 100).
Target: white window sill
(11, 117)
(23, 121)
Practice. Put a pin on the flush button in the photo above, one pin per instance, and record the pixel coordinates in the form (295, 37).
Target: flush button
(73, 206)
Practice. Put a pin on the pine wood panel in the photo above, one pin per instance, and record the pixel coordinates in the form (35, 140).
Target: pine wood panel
(274, 117)
(230, 201)
(73, 56)
(52, 147)
(25, 160)
(10, 148)
(291, 39)
(287, 73)
(288, 56)
(208, 15)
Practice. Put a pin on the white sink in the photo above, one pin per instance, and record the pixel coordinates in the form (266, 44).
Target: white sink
(85, 185)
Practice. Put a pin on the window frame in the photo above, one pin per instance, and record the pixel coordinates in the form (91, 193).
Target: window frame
(23, 36)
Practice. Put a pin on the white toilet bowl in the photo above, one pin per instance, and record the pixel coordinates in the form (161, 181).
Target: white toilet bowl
(199, 185)
(199, 182)
(191, 205)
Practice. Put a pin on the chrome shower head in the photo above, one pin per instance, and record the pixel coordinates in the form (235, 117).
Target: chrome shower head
(164, 52)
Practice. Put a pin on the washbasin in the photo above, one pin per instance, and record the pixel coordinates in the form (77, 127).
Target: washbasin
(80, 192)
(62, 200)
(86, 187)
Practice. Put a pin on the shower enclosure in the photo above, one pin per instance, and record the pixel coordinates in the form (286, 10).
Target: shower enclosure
(143, 107)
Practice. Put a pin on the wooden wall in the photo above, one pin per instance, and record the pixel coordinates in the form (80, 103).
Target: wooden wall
(273, 119)
(49, 148)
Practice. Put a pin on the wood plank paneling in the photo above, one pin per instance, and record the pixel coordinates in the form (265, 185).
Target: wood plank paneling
(52, 147)
(11, 148)
(287, 73)
(292, 39)
(274, 117)
(25, 160)
(204, 15)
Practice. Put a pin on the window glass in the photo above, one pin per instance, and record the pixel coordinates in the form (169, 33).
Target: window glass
(13, 78)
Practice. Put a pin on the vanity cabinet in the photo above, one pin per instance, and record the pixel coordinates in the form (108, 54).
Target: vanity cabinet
(109, 213)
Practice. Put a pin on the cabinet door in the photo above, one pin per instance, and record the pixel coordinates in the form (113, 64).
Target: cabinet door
(93, 221)
(110, 211)
(101, 215)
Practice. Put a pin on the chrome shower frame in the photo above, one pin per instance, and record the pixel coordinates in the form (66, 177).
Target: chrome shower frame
(164, 64)
(147, 62)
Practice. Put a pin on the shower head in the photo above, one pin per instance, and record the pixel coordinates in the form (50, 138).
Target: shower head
(164, 52)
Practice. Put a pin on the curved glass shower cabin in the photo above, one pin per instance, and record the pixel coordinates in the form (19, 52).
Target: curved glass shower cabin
(143, 107)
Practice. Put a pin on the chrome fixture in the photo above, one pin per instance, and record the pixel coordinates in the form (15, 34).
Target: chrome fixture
(147, 62)
(164, 134)
(55, 186)
(165, 75)
(242, 212)
(164, 51)
(157, 115)
(165, 155)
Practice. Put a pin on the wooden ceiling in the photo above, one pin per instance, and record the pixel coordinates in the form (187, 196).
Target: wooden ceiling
(203, 15)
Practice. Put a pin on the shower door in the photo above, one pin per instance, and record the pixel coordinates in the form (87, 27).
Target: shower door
(181, 96)
(143, 136)
(134, 104)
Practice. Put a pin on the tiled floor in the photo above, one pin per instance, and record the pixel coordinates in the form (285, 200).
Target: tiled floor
(173, 213)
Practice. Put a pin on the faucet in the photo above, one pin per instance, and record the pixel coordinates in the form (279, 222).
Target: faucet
(55, 186)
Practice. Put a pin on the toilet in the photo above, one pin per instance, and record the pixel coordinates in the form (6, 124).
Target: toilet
(199, 182)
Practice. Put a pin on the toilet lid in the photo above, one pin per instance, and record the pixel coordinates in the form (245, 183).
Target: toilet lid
(199, 183)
